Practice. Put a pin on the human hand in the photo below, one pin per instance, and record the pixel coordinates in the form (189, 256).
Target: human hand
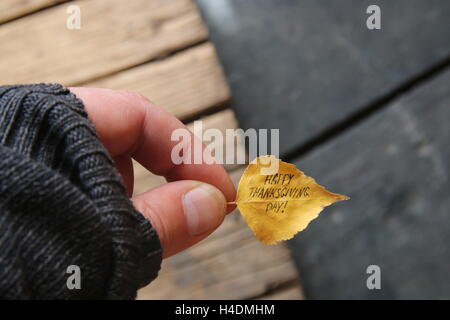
(193, 203)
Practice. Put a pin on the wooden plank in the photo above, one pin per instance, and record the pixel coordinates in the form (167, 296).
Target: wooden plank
(185, 84)
(10, 9)
(144, 180)
(395, 166)
(225, 276)
(230, 264)
(114, 35)
(306, 65)
(290, 293)
(222, 121)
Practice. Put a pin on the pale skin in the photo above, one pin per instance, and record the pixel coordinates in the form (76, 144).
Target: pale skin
(130, 126)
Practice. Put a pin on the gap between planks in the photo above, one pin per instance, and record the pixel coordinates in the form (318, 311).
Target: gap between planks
(186, 84)
(14, 9)
(115, 35)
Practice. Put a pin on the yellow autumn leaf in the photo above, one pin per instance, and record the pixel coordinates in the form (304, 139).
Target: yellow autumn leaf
(278, 205)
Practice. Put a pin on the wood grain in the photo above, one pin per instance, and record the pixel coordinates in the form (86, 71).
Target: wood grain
(185, 84)
(11, 9)
(290, 293)
(114, 36)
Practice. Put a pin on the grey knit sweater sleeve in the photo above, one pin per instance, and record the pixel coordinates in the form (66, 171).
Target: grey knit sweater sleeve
(62, 204)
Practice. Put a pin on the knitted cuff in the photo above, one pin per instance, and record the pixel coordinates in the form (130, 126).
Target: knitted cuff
(62, 203)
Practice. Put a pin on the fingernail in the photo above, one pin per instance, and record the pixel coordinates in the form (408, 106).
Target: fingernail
(204, 208)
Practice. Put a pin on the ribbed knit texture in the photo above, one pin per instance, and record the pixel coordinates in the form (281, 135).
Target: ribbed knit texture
(63, 203)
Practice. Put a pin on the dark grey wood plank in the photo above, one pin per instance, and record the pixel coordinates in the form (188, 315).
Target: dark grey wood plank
(395, 166)
(303, 65)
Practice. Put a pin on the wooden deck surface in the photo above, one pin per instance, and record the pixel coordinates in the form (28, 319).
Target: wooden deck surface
(365, 112)
(159, 48)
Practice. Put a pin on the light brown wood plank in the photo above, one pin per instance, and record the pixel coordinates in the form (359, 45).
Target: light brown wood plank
(185, 84)
(290, 293)
(10, 9)
(238, 268)
(144, 180)
(230, 264)
(114, 36)
(222, 121)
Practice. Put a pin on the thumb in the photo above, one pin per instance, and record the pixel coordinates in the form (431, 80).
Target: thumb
(182, 212)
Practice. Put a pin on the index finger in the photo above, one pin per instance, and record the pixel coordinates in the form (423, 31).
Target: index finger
(127, 123)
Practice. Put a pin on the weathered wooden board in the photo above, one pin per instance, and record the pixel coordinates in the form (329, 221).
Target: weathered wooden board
(289, 293)
(395, 166)
(114, 35)
(230, 264)
(185, 84)
(10, 9)
(144, 180)
(304, 65)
